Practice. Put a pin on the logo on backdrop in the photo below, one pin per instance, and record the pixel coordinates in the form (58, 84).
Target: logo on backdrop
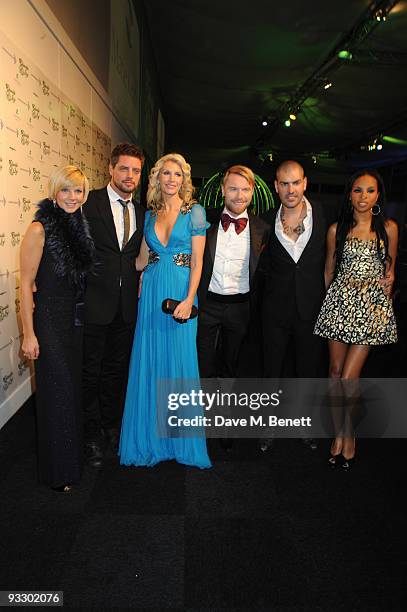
(4, 312)
(8, 380)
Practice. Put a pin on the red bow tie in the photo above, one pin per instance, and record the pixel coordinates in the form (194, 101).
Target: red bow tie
(240, 224)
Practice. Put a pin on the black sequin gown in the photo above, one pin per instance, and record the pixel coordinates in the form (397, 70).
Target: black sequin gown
(58, 372)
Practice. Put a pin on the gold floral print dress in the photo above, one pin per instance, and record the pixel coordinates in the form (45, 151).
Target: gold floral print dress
(356, 309)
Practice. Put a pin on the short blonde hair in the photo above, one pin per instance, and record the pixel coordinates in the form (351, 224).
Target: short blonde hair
(67, 176)
(154, 198)
(243, 171)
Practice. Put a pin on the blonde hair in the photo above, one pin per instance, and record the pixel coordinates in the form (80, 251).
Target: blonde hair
(154, 198)
(67, 176)
(243, 171)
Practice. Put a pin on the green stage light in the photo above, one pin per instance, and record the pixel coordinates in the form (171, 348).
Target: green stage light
(392, 140)
(210, 195)
(345, 54)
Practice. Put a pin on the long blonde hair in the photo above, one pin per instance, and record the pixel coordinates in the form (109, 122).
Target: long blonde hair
(154, 198)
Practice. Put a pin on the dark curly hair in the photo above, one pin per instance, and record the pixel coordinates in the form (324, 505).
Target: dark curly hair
(346, 219)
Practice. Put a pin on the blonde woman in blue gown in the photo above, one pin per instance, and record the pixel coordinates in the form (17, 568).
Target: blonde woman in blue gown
(165, 349)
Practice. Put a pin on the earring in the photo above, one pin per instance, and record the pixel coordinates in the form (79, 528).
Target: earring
(54, 202)
(377, 211)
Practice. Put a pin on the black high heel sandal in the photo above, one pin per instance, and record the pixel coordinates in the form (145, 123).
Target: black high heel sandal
(348, 464)
(334, 460)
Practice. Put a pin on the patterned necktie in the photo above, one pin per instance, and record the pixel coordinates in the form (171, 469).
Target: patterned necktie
(126, 222)
(240, 224)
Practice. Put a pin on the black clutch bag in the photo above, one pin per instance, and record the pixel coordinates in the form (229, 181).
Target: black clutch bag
(168, 306)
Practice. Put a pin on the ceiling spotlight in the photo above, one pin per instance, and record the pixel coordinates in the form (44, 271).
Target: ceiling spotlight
(264, 122)
(287, 123)
(314, 159)
(293, 117)
(345, 54)
(328, 84)
(380, 15)
(376, 144)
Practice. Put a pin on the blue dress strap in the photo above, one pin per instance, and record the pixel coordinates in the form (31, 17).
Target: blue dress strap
(198, 220)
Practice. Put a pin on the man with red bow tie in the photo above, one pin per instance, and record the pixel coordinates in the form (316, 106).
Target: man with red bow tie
(233, 246)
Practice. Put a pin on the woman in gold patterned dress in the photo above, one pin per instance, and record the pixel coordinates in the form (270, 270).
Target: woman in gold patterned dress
(357, 311)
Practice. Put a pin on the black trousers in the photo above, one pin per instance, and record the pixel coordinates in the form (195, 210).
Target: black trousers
(225, 323)
(107, 351)
(295, 333)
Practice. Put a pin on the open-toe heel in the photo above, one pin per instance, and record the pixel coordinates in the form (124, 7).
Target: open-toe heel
(348, 464)
(334, 458)
(334, 461)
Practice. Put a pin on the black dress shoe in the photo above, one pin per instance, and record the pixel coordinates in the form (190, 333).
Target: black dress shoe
(311, 443)
(226, 444)
(66, 488)
(94, 454)
(113, 439)
(266, 444)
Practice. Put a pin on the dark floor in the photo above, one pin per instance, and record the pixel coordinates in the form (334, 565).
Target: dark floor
(256, 532)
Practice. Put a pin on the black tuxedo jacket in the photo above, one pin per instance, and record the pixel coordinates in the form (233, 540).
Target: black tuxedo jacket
(259, 232)
(290, 286)
(113, 265)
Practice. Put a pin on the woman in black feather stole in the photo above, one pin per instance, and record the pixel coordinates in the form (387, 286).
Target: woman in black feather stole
(56, 253)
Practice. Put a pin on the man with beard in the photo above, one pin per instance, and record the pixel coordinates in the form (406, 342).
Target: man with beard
(293, 268)
(226, 299)
(116, 224)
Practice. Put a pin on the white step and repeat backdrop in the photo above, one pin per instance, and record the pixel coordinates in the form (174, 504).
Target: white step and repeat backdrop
(52, 112)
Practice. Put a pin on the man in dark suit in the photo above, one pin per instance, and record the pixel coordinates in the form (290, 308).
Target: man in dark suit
(233, 245)
(293, 268)
(116, 224)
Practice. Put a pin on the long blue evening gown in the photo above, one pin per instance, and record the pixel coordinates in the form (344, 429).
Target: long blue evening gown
(162, 349)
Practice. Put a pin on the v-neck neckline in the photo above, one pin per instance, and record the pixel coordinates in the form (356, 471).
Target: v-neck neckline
(164, 246)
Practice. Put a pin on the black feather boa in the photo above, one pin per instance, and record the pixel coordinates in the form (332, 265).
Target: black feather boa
(68, 240)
